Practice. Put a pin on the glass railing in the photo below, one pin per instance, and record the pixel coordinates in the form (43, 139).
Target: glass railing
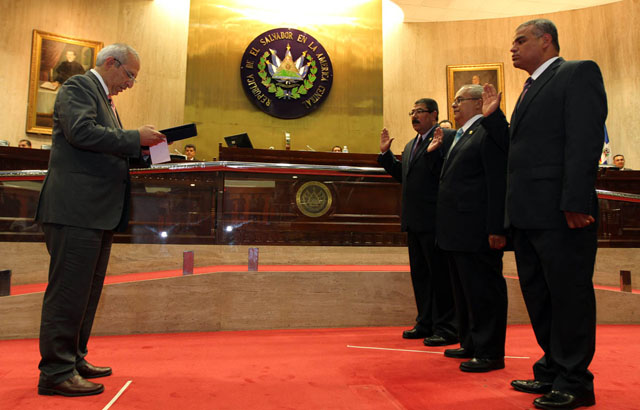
(248, 203)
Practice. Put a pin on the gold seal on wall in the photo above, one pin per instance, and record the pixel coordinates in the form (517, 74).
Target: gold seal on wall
(313, 199)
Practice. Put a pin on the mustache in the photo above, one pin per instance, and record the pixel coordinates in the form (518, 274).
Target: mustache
(415, 122)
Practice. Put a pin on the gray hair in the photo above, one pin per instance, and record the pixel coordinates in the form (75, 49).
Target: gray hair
(474, 90)
(119, 51)
(542, 27)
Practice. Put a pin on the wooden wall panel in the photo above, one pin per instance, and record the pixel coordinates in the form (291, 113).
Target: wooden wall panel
(159, 30)
(416, 56)
(159, 34)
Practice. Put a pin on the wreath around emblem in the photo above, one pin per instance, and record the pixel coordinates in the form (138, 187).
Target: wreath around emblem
(296, 92)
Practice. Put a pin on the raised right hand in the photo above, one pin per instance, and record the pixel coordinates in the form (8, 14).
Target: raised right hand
(436, 141)
(490, 99)
(149, 136)
(385, 141)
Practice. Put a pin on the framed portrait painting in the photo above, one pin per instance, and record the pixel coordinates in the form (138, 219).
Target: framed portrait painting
(459, 75)
(54, 58)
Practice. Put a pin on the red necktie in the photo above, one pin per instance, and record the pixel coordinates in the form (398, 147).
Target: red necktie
(113, 106)
(416, 145)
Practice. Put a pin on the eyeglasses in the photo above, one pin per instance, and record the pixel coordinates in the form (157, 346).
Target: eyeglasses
(418, 111)
(458, 100)
(131, 76)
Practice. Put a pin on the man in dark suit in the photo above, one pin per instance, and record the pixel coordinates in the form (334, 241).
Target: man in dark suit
(470, 228)
(84, 198)
(555, 143)
(418, 172)
(190, 152)
(618, 161)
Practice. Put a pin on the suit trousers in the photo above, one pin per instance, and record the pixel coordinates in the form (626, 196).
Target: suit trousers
(79, 259)
(431, 285)
(481, 301)
(555, 268)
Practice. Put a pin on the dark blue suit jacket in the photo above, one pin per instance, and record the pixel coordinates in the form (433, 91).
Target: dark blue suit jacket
(420, 178)
(472, 192)
(556, 137)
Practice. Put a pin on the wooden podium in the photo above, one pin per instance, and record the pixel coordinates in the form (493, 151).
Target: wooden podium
(297, 157)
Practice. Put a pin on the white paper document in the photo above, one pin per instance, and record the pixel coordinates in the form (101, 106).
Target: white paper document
(160, 153)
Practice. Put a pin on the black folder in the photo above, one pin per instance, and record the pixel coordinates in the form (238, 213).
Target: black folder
(180, 132)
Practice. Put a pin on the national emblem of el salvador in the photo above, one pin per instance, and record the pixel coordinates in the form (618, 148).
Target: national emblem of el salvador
(313, 199)
(286, 73)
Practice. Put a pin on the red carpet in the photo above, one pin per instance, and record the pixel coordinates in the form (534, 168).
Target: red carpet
(310, 370)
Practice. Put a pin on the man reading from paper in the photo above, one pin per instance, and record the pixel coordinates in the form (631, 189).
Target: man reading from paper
(84, 199)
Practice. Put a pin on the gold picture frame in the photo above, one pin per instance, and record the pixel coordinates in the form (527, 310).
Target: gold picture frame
(54, 58)
(459, 75)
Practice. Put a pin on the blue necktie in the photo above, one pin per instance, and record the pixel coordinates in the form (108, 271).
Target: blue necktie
(455, 140)
(458, 135)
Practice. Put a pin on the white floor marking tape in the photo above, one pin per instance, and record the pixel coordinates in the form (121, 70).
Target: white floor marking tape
(420, 351)
(117, 395)
(395, 350)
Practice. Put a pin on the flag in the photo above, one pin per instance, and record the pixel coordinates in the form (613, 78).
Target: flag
(606, 151)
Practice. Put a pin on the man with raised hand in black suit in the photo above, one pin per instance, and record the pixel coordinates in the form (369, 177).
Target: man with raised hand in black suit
(419, 172)
(555, 143)
(470, 229)
(84, 199)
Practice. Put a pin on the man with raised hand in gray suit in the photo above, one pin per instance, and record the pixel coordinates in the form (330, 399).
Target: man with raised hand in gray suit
(555, 144)
(419, 173)
(84, 199)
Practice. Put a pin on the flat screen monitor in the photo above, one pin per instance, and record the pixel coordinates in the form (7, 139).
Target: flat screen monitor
(239, 141)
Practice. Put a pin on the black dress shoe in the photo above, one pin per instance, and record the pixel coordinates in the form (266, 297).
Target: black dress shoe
(415, 333)
(476, 365)
(437, 340)
(89, 371)
(559, 400)
(532, 386)
(72, 387)
(459, 353)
